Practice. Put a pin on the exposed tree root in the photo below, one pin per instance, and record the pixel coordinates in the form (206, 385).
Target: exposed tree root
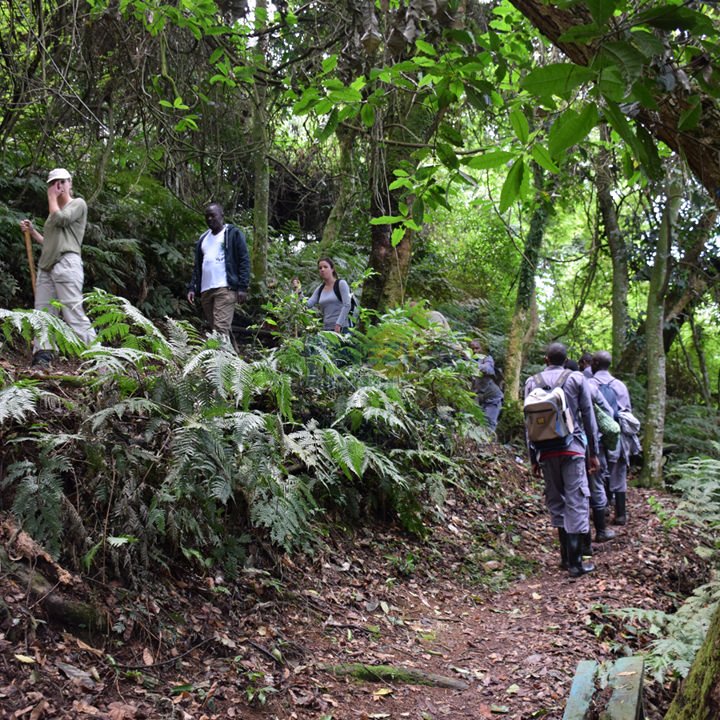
(58, 608)
(394, 673)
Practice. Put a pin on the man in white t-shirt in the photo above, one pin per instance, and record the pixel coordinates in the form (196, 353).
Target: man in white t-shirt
(221, 273)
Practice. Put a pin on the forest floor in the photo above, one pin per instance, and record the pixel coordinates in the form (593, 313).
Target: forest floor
(481, 600)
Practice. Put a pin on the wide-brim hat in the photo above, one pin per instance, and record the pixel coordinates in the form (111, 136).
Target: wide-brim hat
(58, 174)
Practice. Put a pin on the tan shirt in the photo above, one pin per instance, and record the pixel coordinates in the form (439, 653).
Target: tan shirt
(63, 233)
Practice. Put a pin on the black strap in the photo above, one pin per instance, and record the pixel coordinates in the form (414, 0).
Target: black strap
(336, 290)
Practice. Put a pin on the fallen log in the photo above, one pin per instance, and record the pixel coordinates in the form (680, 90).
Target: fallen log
(58, 608)
(394, 673)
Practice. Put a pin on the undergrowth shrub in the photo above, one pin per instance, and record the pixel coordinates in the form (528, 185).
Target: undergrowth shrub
(674, 638)
(174, 448)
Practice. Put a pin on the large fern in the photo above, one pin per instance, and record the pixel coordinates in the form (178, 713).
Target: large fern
(38, 491)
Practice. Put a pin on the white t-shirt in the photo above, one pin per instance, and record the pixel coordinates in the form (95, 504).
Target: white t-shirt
(213, 265)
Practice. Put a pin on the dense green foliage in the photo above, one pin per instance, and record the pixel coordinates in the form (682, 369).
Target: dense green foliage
(174, 444)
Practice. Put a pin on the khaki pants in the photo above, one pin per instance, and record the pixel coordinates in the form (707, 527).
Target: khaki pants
(64, 283)
(218, 304)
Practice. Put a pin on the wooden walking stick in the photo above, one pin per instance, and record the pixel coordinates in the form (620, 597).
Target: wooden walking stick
(31, 262)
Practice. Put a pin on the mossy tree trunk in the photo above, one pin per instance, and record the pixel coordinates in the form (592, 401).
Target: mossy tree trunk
(260, 144)
(346, 190)
(699, 695)
(391, 262)
(651, 475)
(524, 322)
(604, 183)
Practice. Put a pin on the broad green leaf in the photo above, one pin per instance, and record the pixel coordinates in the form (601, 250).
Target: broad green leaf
(347, 95)
(449, 133)
(386, 219)
(583, 33)
(601, 10)
(397, 235)
(520, 125)
(329, 63)
(324, 106)
(627, 58)
(612, 84)
(367, 114)
(330, 126)
(447, 155)
(511, 186)
(570, 128)
(647, 43)
(642, 145)
(308, 100)
(425, 47)
(675, 17)
(543, 159)
(651, 158)
(489, 160)
(643, 94)
(690, 117)
(401, 182)
(558, 79)
(418, 211)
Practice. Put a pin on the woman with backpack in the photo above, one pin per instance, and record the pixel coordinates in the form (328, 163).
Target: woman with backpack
(333, 298)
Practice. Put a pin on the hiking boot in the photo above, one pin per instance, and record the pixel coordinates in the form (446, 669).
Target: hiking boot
(563, 548)
(42, 358)
(574, 550)
(602, 533)
(587, 544)
(620, 511)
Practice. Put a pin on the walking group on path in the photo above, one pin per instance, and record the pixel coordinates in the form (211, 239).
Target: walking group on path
(582, 470)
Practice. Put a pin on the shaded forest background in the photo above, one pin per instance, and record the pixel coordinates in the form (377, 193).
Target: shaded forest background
(535, 172)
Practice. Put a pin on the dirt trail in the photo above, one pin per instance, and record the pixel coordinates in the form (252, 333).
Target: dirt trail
(257, 647)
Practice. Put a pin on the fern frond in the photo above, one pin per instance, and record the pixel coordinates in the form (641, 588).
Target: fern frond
(376, 407)
(347, 451)
(116, 317)
(48, 329)
(129, 406)
(20, 400)
(110, 363)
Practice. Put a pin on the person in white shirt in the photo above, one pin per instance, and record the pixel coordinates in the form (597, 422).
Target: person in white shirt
(221, 273)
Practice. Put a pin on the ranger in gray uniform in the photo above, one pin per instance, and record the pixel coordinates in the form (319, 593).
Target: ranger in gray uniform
(616, 462)
(566, 483)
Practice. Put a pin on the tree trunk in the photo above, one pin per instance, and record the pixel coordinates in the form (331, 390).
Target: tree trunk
(343, 203)
(651, 475)
(704, 379)
(524, 321)
(260, 142)
(699, 695)
(604, 183)
(391, 264)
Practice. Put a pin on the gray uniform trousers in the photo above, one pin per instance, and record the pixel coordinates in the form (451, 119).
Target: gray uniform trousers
(567, 494)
